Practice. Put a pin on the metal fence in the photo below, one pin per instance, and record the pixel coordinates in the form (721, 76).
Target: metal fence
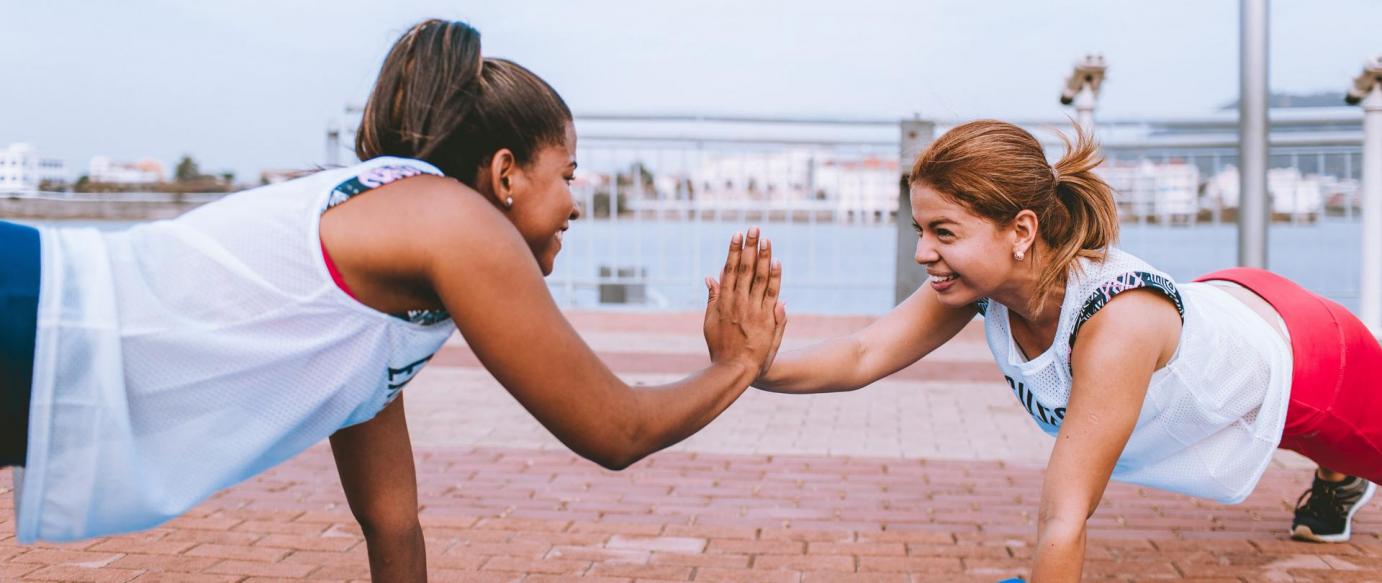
(662, 195)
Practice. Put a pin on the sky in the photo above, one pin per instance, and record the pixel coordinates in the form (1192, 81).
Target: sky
(253, 84)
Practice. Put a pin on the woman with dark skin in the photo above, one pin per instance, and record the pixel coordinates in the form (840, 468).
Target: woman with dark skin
(456, 215)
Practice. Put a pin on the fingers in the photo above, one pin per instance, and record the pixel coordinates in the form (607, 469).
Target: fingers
(730, 275)
(773, 286)
(762, 272)
(713, 288)
(748, 260)
(780, 316)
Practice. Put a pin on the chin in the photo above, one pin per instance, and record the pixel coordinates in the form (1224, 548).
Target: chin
(547, 265)
(954, 300)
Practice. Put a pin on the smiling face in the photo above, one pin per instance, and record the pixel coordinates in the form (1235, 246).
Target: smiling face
(543, 206)
(967, 256)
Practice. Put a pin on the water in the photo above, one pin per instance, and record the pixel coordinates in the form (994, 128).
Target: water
(831, 268)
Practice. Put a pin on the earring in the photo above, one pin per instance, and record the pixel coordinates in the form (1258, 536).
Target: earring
(1018, 255)
(508, 202)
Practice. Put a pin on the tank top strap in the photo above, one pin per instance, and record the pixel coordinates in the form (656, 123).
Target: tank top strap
(377, 173)
(1119, 272)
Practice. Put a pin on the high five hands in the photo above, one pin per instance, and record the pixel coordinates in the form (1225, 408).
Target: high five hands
(744, 317)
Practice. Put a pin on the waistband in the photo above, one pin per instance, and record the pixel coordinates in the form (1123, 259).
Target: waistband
(1316, 334)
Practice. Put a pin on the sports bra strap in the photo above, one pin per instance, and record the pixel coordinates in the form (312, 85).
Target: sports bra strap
(1121, 283)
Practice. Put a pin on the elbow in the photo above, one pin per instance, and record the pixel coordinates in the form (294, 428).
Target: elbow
(614, 463)
(614, 459)
(859, 376)
(625, 447)
(1061, 528)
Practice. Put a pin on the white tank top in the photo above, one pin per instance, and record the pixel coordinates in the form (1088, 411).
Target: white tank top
(1212, 417)
(177, 358)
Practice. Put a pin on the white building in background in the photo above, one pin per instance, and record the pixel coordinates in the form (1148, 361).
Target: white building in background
(21, 168)
(854, 188)
(103, 169)
(1168, 191)
(752, 176)
(1291, 192)
(863, 189)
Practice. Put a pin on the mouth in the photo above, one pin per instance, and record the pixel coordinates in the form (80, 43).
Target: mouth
(942, 277)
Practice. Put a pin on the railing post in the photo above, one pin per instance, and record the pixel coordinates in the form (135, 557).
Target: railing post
(1371, 289)
(1253, 213)
(916, 135)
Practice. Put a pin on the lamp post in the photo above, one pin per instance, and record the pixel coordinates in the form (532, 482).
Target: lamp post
(1367, 91)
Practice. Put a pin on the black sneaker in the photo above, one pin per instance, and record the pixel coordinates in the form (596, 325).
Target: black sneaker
(1324, 513)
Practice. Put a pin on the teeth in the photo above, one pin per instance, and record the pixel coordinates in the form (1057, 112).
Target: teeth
(942, 279)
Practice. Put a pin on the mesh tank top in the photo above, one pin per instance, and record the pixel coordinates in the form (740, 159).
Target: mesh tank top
(177, 358)
(1212, 417)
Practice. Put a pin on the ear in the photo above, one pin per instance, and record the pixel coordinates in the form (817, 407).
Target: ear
(502, 168)
(1024, 231)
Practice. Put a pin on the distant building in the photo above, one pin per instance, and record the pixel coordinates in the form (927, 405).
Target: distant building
(1291, 192)
(21, 168)
(1168, 191)
(854, 188)
(864, 189)
(104, 170)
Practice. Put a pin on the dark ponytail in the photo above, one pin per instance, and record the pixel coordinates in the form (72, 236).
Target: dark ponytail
(437, 99)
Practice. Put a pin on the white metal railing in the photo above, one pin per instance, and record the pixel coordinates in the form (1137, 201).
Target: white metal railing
(684, 183)
(116, 197)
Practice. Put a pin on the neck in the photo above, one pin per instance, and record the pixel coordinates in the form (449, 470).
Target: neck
(1020, 293)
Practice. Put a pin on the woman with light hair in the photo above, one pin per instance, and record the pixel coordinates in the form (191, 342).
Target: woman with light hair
(1187, 387)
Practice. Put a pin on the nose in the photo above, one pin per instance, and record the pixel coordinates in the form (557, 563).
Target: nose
(575, 211)
(926, 252)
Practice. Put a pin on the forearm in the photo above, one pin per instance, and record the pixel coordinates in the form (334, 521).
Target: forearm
(667, 414)
(1060, 551)
(399, 555)
(828, 367)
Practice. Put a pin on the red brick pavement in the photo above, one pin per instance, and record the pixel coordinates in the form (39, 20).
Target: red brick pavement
(536, 516)
(522, 515)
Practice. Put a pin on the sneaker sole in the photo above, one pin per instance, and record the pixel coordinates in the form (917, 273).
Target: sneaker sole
(1303, 533)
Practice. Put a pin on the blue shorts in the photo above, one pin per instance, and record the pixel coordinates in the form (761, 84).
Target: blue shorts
(19, 271)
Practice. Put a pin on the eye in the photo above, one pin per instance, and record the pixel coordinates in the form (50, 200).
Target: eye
(945, 234)
(916, 227)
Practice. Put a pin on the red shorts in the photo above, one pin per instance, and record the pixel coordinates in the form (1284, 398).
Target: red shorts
(1335, 414)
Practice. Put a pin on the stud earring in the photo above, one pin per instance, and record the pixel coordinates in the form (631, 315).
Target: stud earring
(508, 202)
(1018, 255)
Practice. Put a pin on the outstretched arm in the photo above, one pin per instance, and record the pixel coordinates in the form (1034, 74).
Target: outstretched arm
(485, 275)
(1113, 361)
(913, 329)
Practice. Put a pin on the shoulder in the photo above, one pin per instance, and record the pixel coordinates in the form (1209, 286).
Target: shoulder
(424, 219)
(1138, 322)
(1100, 282)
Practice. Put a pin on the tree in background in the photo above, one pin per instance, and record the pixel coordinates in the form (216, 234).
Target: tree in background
(187, 170)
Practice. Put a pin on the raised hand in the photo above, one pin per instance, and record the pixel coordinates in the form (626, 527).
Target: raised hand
(744, 318)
